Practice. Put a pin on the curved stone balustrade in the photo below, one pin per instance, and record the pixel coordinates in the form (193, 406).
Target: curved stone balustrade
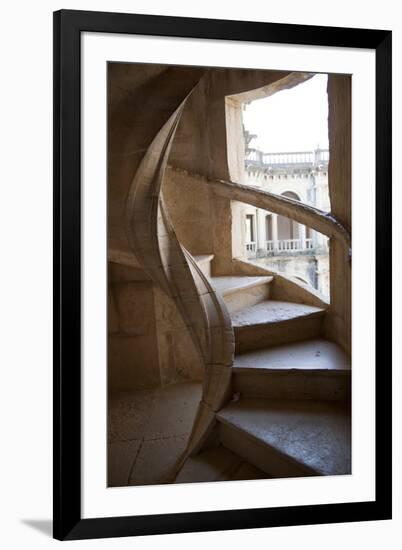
(321, 221)
(156, 248)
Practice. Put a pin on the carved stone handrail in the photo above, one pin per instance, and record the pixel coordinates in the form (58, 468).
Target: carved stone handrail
(154, 243)
(321, 221)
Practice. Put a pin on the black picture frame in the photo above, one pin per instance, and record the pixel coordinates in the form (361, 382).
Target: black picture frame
(68, 26)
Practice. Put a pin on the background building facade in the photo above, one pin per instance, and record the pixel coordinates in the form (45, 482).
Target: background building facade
(279, 242)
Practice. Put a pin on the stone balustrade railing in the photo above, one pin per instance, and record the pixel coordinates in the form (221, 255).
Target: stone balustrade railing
(282, 160)
(154, 243)
(286, 245)
(291, 245)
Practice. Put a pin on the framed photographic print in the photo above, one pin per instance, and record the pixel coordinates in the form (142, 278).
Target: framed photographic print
(222, 343)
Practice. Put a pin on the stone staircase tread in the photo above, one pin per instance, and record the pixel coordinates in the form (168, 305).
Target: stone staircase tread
(316, 355)
(273, 311)
(217, 464)
(314, 434)
(229, 284)
(201, 258)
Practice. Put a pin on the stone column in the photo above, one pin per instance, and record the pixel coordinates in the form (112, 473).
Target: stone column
(274, 226)
(261, 231)
(314, 237)
(302, 235)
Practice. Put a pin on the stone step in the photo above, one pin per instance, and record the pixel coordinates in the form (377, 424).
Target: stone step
(217, 464)
(240, 292)
(312, 369)
(204, 262)
(289, 438)
(272, 323)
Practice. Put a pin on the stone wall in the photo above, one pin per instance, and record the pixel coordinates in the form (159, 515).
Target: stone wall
(148, 344)
(202, 220)
(179, 360)
(189, 204)
(133, 360)
(311, 270)
(339, 319)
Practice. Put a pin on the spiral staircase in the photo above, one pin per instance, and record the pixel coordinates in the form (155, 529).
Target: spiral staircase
(276, 392)
(287, 415)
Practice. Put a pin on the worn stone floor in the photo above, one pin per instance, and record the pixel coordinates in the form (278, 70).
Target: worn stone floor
(228, 284)
(315, 354)
(272, 311)
(316, 434)
(148, 431)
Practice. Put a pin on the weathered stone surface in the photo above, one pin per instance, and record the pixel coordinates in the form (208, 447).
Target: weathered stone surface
(148, 433)
(211, 465)
(174, 411)
(191, 218)
(313, 435)
(340, 143)
(271, 312)
(123, 273)
(241, 292)
(132, 362)
(340, 184)
(121, 458)
(203, 425)
(230, 284)
(135, 305)
(179, 358)
(204, 262)
(247, 471)
(216, 387)
(283, 288)
(217, 464)
(309, 355)
(156, 461)
(128, 414)
(338, 324)
(292, 384)
(264, 335)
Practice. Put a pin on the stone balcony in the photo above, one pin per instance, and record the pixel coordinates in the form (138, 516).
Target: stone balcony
(286, 247)
(287, 162)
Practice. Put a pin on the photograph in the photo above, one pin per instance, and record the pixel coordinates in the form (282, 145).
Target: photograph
(219, 364)
(229, 228)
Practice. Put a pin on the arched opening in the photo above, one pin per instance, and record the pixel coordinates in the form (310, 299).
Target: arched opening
(291, 195)
(286, 155)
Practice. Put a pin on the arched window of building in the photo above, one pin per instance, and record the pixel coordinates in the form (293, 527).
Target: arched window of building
(291, 195)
